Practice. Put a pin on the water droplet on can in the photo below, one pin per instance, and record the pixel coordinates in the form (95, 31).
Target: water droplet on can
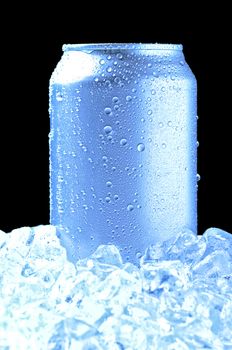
(198, 177)
(107, 199)
(59, 97)
(107, 110)
(164, 145)
(109, 184)
(130, 207)
(107, 129)
(128, 98)
(140, 147)
(123, 142)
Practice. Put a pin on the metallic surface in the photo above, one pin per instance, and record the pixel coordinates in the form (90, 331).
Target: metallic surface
(123, 146)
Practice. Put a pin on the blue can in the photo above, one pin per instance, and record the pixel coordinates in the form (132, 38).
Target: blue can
(123, 147)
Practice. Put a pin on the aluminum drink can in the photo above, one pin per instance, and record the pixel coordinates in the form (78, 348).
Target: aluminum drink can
(123, 147)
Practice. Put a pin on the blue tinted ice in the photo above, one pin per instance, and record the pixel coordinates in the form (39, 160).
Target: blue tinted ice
(179, 298)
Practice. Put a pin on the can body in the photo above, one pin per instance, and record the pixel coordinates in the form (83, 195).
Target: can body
(123, 147)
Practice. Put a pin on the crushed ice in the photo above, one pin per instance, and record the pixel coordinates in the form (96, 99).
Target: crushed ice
(179, 298)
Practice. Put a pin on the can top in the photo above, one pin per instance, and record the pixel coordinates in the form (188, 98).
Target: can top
(121, 46)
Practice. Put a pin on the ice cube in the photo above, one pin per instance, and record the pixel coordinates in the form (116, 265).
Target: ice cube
(179, 298)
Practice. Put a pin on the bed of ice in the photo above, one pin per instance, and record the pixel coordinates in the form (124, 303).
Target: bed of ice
(179, 298)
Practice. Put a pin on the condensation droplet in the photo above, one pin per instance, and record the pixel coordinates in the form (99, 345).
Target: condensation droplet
(138, 255)
(104, 158)
(164, 145)
(140, 147)
(107, 199)
(197, 143)
(119, 56)
(169, 123)
(59, 97)
(128, 98)
(102, 61)
(116, 197)
(107, 110)
(109, 184)
(161, 124)
(149, 112)
(123, 142)
(107, 129)
(109, 69)
(115, 99)
(130, 207)
(182, 63)
(198, 177)
(153, 92)
(163, 89)
(150, 140)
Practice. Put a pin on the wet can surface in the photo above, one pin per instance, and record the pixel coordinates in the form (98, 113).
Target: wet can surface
(123, 147)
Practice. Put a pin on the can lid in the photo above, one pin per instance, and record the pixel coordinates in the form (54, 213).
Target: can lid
(120, 46)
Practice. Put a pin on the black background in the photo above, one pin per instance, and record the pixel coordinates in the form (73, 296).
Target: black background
(30, 49)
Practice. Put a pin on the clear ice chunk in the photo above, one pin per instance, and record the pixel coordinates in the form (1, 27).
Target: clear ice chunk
(179, 298)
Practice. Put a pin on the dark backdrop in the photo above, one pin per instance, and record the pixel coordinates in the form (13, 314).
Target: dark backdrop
(32, 48)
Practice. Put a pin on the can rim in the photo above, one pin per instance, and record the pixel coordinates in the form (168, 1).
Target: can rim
(121, 46)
